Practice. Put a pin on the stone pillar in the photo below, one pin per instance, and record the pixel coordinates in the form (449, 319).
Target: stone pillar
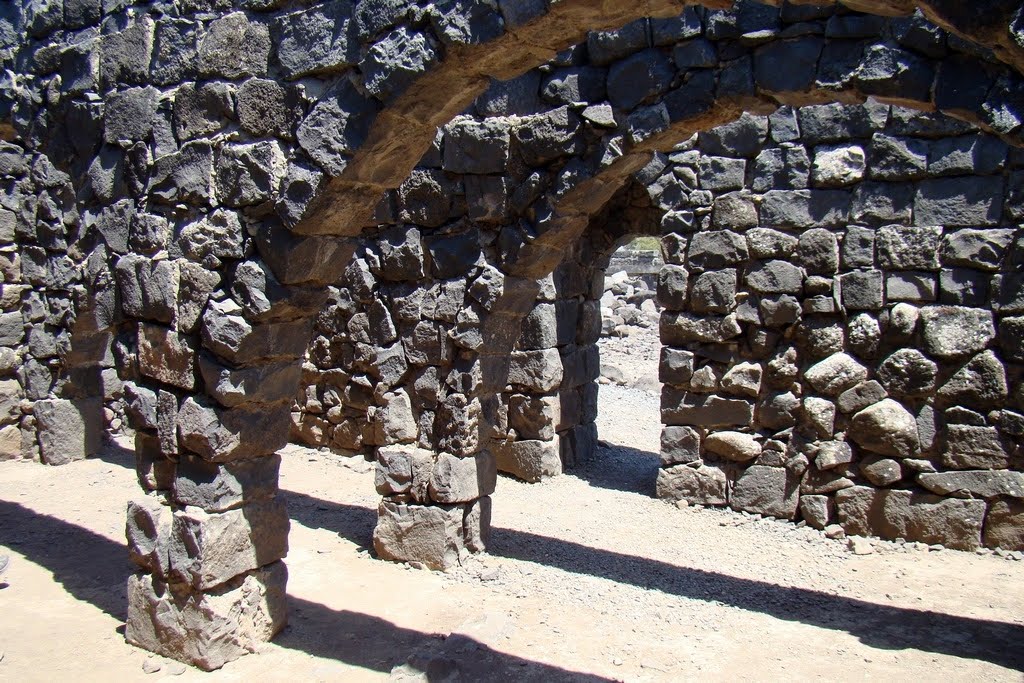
(437, 475)
(547, 419)
(211, 406)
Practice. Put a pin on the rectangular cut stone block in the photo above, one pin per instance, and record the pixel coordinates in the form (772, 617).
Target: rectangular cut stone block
(892, 513)
(679, 407)
(805, 208)
(223, 435)
(862, 290)
(975, 483)
(207, 549)
(461, 480)
(703, 485)
(166, 356)
(529, 460)
(679, 445)
(476, 525)
(68, 430)
(405, 469)
(536, 370)
(429, 534)
(535, 417)
(148, 531)
(970, 447)
(578, 444)
(207, 629)
(911, 286)
(766, 491)
(216, 488)
(1004, 525)
(966, 201)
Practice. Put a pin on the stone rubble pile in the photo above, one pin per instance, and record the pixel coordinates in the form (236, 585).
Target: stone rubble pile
(626, 303)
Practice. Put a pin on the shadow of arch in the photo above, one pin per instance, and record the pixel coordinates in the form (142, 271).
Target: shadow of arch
(96, 562)
(92, 568)
(882, 626)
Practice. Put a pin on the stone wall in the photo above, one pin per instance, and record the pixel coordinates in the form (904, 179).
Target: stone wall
(189, 178)
(821, 261)
(842, 342)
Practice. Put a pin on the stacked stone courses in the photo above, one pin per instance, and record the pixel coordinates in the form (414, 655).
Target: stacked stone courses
(400, 214)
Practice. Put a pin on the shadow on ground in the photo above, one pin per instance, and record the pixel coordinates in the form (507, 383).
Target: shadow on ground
(94, 569)
(620, 468)
(881, 626)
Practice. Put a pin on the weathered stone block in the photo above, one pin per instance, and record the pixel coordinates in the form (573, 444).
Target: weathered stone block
(216, 488)
(892, 514)
(209, 549)
(211, 628)
(148, 530)
(461, 480)
(539, 371)
(836, 374)
(953, 202)
(530, 460)
(862, 290)
(766, 491)
(68, 430)
(679, 407)
(223, 435)
(429, 534)
(985, 484)
(679, 446)
(678, 329)
(702, 485)
(887, 428)
(817, 511)
(973, 447)
(953, 331)
(735, 446)
(476, 147)
(1004, 525)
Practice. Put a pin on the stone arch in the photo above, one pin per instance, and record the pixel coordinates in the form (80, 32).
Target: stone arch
(96, 110)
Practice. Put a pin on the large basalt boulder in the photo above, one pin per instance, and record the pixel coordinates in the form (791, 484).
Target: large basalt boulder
(736, 446)
(702, 485)
(886, 428)
(767, 491)
(836, 374)
(429, 534)
(895, 513)
(211, 628)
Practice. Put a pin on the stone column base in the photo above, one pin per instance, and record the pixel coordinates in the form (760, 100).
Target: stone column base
(432, 535)
(207, 629)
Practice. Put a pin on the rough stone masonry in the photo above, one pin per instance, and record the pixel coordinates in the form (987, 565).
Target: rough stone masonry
(401, 213)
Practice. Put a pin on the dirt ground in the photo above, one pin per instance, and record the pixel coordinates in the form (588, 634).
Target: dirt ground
(588, 578)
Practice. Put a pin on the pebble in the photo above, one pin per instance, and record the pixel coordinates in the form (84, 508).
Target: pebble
(151, 666)
(835, 531)
(860, 545)
(175, 668)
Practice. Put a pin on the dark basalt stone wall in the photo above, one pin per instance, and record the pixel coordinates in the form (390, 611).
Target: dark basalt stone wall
(185, 180)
